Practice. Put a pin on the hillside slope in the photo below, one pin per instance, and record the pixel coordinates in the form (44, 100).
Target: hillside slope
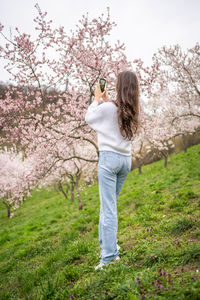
(49, 249)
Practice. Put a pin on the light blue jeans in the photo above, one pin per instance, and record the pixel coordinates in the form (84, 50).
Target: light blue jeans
(113, 169)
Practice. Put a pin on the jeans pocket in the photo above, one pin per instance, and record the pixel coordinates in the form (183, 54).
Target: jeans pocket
(111, 162)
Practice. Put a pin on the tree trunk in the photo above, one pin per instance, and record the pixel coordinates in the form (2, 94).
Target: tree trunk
(165, 159)
(72, 191)
(184, 144)
(78, 195)
(140, 169)
(60, 187)
(8, 208)
(68, 188)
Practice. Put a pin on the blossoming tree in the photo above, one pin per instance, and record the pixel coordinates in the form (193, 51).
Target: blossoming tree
(43, 124)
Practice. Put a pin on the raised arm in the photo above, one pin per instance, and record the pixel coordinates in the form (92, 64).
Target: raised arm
(95, 115)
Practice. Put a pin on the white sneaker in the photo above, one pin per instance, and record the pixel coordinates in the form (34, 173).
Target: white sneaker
(116, 259)
(118, 247)
(101, 265)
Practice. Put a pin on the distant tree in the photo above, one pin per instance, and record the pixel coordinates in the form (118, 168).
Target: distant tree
(171, 86)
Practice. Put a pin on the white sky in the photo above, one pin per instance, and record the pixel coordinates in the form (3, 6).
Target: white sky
(143, 25)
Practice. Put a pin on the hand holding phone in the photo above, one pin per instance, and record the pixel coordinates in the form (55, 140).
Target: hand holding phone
(105, 96)
(102, 82)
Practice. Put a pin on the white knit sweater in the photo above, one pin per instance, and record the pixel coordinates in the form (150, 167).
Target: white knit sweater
(103, 119)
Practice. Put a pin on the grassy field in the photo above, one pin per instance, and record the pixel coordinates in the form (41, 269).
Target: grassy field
(48, 249)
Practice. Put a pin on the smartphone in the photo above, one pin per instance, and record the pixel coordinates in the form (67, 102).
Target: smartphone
(102, 82)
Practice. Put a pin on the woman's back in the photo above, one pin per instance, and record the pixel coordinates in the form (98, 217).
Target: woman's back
(103, 119)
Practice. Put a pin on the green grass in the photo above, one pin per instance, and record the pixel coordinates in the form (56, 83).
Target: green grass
(49, 248)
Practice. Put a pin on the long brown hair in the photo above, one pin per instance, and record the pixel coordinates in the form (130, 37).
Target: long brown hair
(127, 103)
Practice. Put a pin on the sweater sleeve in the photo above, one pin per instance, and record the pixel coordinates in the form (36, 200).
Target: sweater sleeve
(94, 115)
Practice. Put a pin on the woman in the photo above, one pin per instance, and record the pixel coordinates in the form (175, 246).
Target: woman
(116, 123)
